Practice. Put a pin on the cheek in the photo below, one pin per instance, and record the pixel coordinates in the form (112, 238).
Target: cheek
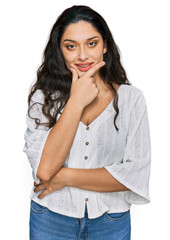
(97, 54)
(69, 57)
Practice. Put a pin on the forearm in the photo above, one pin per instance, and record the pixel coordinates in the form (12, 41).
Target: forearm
(59, 141)
(98, 180)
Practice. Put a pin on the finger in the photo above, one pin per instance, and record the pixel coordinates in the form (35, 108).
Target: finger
(93, 70)
(37, 184)
(39, 188)
(74, 74)
(96, 87)
(43, 194)
(93, 79)
(41, 181)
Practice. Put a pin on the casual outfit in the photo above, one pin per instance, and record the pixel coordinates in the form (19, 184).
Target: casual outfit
(125, 154)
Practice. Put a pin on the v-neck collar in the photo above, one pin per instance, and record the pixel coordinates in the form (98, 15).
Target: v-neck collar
(101, 112)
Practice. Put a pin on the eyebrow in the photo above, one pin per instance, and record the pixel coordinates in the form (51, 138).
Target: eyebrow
(75, 41)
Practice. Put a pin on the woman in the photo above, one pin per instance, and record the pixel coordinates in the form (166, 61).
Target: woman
(88, 138)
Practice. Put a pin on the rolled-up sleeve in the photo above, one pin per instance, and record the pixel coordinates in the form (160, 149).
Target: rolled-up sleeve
(35, 138)
(134, 169)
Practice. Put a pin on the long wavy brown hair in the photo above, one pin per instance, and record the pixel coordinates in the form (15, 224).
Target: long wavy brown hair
(53, 74)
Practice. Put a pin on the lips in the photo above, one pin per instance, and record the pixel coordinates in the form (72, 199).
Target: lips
(84, 66)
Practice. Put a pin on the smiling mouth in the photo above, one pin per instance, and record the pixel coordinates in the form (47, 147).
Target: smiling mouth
(84, 67)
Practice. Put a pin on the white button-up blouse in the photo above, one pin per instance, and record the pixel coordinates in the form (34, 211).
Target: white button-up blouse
(125, 154)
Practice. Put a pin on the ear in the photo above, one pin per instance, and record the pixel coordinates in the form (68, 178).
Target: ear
(104, 47)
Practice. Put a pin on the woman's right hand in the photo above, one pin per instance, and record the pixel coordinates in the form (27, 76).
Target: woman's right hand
(83, 90)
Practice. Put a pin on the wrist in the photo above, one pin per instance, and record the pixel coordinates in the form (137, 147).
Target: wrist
(76, 104)
(66, 175)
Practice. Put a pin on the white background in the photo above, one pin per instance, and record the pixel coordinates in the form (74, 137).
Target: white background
(141, 30)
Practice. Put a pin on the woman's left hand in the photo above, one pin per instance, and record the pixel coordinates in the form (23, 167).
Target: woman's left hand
(56, 182)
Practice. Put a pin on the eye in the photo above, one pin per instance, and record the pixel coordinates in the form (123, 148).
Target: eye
(71, 46)
(92, 44)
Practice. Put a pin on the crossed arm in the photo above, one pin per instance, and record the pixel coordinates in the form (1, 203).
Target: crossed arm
(98, 180)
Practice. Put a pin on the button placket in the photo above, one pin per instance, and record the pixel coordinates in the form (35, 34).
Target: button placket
(86, 156)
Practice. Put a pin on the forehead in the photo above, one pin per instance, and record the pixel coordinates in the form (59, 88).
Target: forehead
(80, 31)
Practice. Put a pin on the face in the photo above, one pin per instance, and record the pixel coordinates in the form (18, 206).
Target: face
(82, 46)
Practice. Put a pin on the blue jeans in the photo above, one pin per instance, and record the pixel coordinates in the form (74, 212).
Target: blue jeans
(48, 225)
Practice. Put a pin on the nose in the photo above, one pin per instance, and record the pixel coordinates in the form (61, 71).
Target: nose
(82, 54)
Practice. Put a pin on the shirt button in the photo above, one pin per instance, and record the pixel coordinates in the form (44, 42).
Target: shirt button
(87, 128)
(86, 157)
(87, 143)
(86, 199)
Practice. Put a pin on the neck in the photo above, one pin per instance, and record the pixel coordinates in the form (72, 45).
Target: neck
(101, 85)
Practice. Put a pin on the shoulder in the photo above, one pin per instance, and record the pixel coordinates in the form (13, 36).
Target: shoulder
(38, 96)
(131, 89)
(37, 102)
(131, 94)
(36, 110)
